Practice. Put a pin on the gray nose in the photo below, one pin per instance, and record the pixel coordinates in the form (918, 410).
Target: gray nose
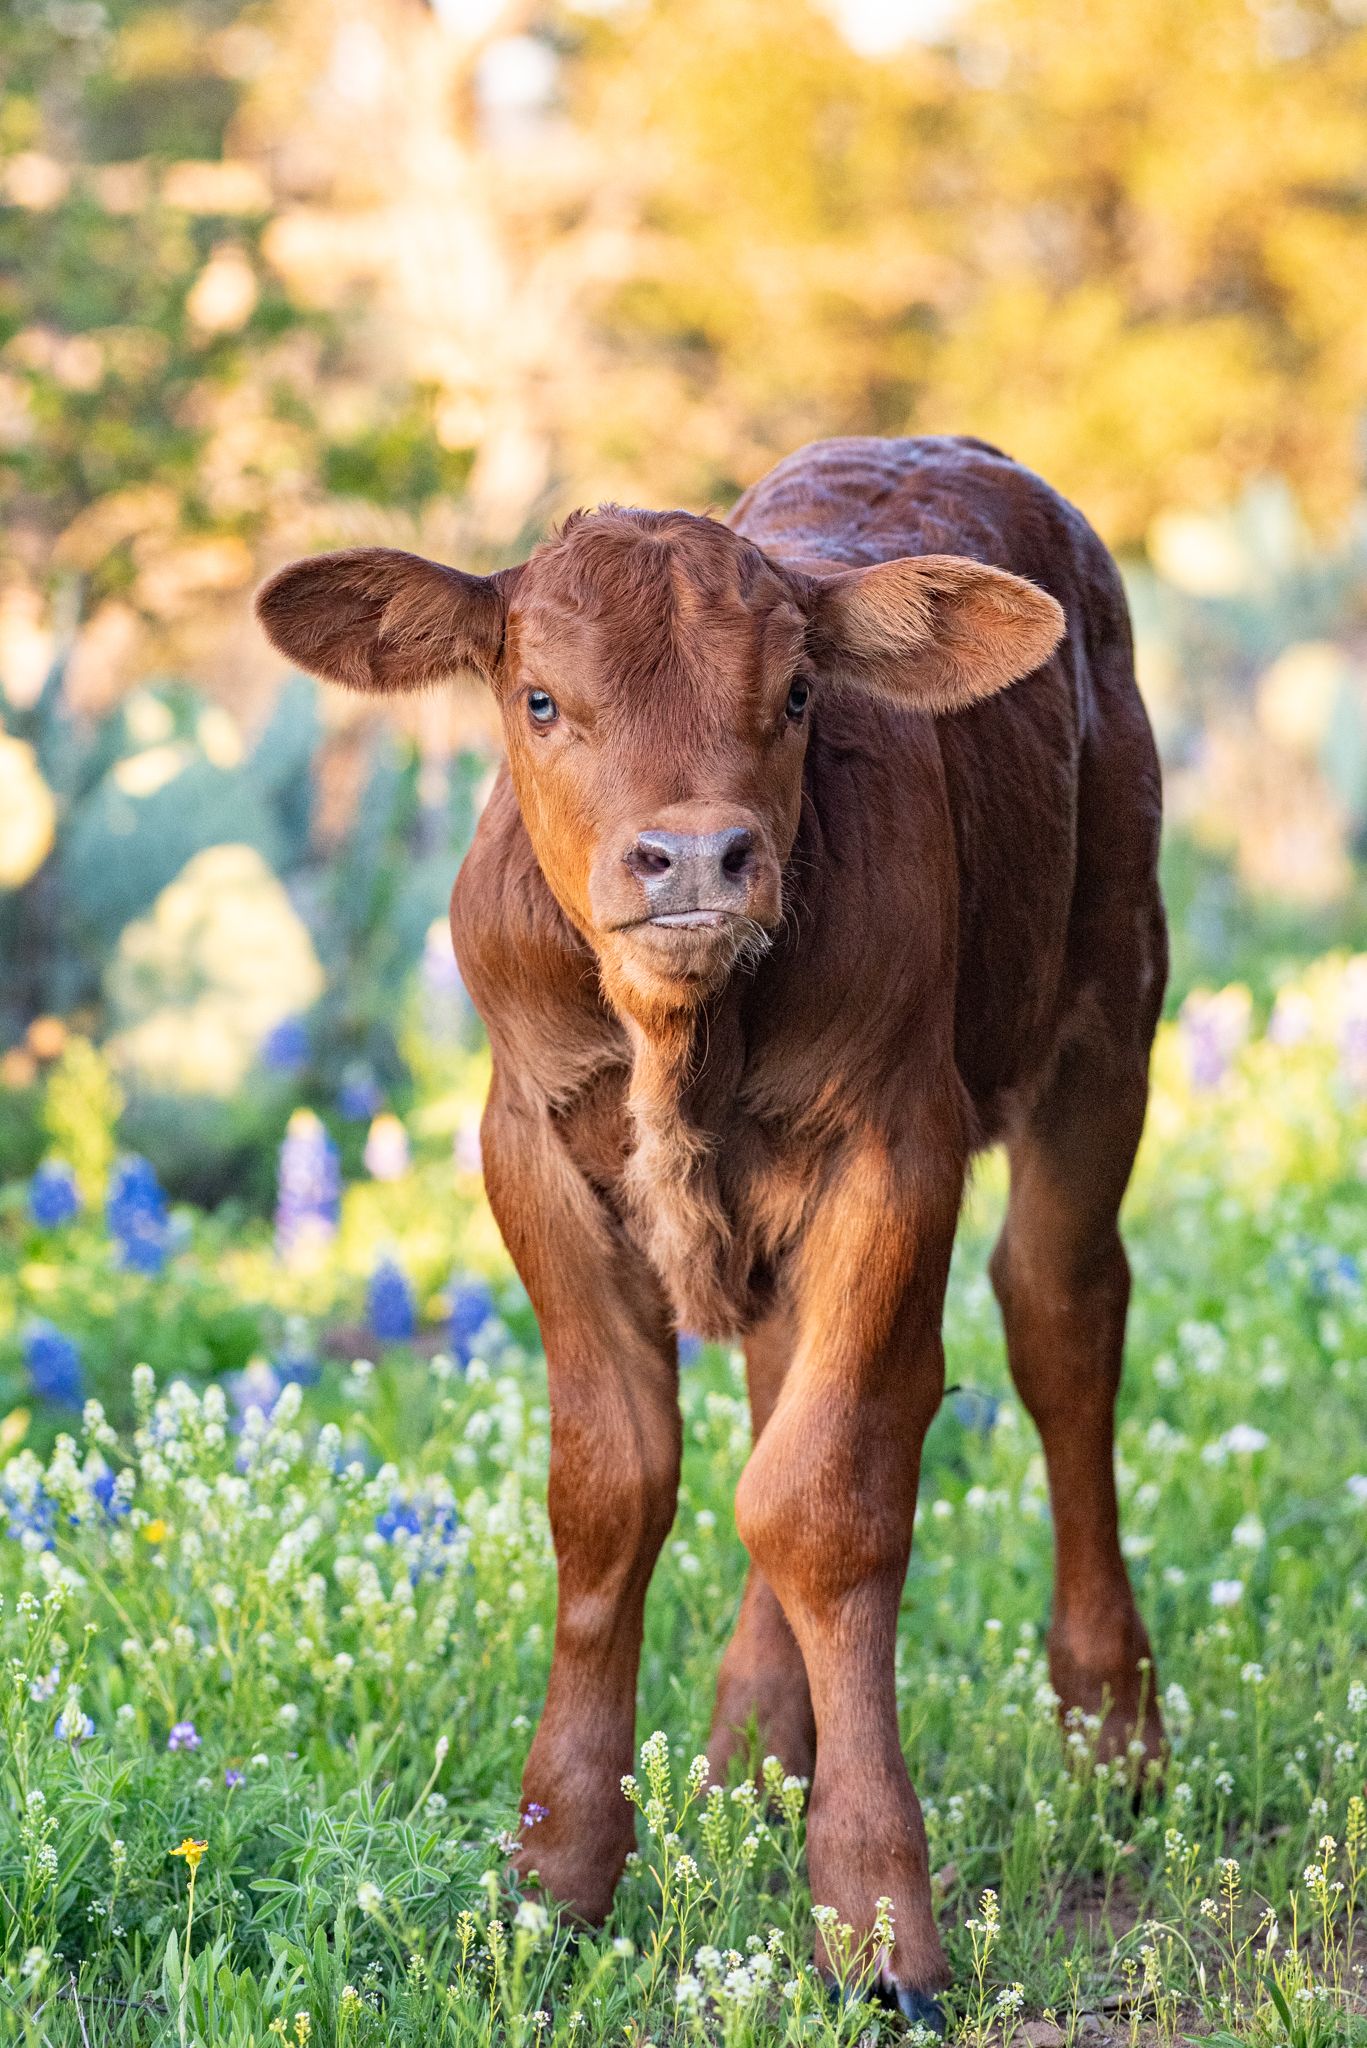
(682, 871)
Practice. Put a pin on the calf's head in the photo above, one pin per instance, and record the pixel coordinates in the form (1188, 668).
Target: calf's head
(657, 676)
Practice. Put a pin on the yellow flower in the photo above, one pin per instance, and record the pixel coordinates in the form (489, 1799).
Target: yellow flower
(192, 1851)
(156, 1531)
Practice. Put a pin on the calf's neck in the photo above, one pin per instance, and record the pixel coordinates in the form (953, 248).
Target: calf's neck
(823, 855)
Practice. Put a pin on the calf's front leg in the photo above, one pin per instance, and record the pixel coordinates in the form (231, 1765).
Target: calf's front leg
(615, 1441)
(762, 1679)
(825, 1507)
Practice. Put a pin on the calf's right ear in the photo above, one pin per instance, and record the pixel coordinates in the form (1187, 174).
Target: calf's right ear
(380, 619)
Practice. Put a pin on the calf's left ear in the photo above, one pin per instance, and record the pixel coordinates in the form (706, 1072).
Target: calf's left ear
(380, 619)
(932, 632)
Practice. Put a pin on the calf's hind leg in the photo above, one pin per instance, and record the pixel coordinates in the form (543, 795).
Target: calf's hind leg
(762, 1677)
(1063, 1282)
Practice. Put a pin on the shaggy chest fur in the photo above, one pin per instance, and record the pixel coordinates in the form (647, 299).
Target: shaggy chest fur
(711, 1194)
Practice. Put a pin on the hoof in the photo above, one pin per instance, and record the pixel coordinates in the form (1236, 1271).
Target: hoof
(918, 2008)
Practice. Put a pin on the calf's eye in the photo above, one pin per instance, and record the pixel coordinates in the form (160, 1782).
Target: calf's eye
(797, 700)
(542, 707)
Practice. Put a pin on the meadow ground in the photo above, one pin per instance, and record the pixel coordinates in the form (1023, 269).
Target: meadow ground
(269, 1681)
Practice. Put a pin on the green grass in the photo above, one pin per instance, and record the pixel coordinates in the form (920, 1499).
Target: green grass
(371, 1692)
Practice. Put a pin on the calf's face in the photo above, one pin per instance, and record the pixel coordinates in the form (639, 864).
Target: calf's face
(657, 676)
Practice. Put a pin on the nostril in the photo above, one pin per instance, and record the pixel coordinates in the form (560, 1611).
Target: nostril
(736, 854)
(648, 858)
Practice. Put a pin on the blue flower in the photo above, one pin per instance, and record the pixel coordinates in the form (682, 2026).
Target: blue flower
(690, 1348)
(426, 1530)
(975, 1409)
(359, 1097)
(232, 1779)
(104, 1487)
(54, 1364)
(137, 1215)
(297, 1363)
(31, 1516)
(257, 1387)
(472, 1310)
(310, 1186)
(53, 1197)
(400, 1514)
(286, 1048)
(73, 1726)
(184, 1735)
(390, 1308)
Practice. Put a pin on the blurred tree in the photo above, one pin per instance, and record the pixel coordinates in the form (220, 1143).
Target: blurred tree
(1125, 238)
(274, 275)
(172, 409)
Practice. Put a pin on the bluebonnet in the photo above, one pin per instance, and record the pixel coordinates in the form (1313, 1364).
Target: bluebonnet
(295, 1361)
(472, 1310)
(137, 1214)
(104, 1487)
(975, 1409)
(286, 1047)
(54, 1364)
(359, 1096)
(73, 1726)
(31, 1516)
(390, 1308)
(426, 1529)
(53, 1197)
(257, 1386)
(184, 1735)
(310, 1186)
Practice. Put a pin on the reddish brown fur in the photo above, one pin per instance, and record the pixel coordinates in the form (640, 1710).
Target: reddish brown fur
(756, 1118)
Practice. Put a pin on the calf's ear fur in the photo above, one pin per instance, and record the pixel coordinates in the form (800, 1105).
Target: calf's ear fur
(933, 632)
(380, 619)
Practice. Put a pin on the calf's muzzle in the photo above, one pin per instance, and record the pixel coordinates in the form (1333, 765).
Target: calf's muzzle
(694, 877)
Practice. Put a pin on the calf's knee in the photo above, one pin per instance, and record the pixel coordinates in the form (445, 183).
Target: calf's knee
(612, 1496)
(822, 1520)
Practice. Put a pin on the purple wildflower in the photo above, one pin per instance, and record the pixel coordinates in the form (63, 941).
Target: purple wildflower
(1214, 1028)
(183, 1735)
(53, 1197)
(310, 1187)
(425, 1529)
(390, 1308)
(29, 1515)
(54, 1364)
(296, 1362)
(73, 1726)
(359, 1096)
(232, 1779)
(535, 1814)
(472, 1310)
(137, 1214)
(104, 1487)
(286, 1047)
(256, 1387)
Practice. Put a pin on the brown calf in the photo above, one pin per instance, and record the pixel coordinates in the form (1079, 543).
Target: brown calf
(781, 907)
